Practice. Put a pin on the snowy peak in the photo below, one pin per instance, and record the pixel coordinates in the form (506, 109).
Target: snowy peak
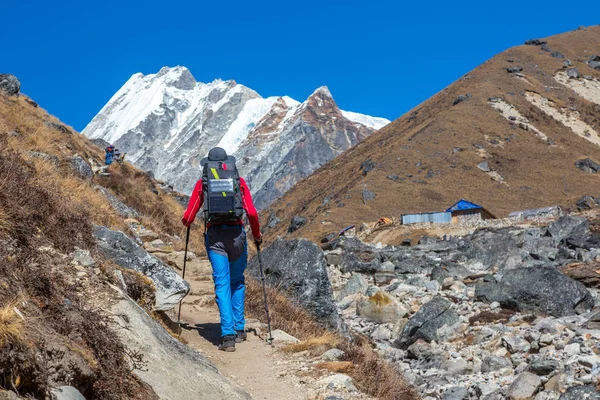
(168, 121)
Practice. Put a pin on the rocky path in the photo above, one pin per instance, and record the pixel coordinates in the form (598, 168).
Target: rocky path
(264, 371)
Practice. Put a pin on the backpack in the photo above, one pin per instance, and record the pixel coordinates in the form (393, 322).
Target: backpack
(222, 193)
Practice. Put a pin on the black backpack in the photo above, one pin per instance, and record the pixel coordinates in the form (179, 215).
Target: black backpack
(222, 193)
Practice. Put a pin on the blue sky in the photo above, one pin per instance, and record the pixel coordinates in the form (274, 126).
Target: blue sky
(377, 57)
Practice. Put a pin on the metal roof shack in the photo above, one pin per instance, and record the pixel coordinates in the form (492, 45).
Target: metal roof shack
(464, 210)
(430, 217)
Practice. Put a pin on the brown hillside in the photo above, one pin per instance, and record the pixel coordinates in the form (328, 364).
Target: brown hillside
(434, 150)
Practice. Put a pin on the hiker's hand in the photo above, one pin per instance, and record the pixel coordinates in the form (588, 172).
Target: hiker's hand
(186, 223)
(258, 241)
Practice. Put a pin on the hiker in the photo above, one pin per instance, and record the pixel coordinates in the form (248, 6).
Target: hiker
(117, 156)
(108, 158)
(225, 197)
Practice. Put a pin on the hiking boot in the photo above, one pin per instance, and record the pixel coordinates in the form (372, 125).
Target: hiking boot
(240, 336)
(228, 343)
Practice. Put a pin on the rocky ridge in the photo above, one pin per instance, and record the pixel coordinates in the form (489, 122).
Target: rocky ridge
(167, 122)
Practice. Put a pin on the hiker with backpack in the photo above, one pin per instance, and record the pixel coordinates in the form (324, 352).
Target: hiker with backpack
(108, 158)
(225, 196)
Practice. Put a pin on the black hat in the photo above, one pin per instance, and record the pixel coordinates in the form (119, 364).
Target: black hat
(217, 154)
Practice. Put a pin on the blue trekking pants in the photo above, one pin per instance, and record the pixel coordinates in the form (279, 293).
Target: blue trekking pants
(226, 246)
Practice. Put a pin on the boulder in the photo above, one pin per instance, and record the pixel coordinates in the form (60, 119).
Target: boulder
(573, 73)
(118, 247)
(81, 167)
(356, 284)
(581, 393)
(333, 355)
(9, 84)
(535, 42)
(588, 165)
(298, 268)
(280, 336)
(457, 367)
(494, 363)
(57, 126)
(541, 290)
(543, 367)
(426, 324)
(121, 208)
(46, 157)
(337, 382)
(524, 387)
(66, 393)
(380, 308)
(557, 54)
(586, 203)
(296, 223)
(461, 98)
(484, 166)
(172, 369)
(456, 393)
(568, 227)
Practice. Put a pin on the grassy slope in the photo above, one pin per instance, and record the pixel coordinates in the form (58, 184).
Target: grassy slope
(536, 174)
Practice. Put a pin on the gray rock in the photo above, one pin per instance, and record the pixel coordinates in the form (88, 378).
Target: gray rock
(8, 395)
(484, 166)
(588, 165)
(380, 308)
(535, 42)
(524, 387)
(296, 223)
(367, 166)
(567, 63)
(83, 258)
(573, 73)
(172, 369)
(458, 367)
(515, 344)
(121, 208)
(487, 391)
(512, 70)
(337, 382)
(543, 367)
(586, 203)
(461, 98)
(280, 336)
(81, 167)
(298, 268)
(494, 363)
(557, 54)
(66, 393)
(542, 290)
(9, 84)
(545, 395)
(581, 393)
(568, 226)
(118, 247)
(426, 323)
(456, 393)
(46, 157)
(356, 284)
(57, 126)
(333, 355)
(368, 195)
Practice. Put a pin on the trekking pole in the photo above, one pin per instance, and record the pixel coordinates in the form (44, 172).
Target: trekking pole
(187, 240)
(262, 278)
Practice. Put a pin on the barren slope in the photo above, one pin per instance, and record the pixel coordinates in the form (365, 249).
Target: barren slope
(527, 125)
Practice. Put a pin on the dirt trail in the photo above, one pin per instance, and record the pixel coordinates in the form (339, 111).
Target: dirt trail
(262, 370)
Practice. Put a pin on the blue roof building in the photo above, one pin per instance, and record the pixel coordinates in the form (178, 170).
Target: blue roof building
(465, 210)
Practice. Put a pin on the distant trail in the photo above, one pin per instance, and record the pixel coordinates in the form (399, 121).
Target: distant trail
(256, 366)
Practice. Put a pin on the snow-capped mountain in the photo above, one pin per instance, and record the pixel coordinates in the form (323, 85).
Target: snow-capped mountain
(167, 122)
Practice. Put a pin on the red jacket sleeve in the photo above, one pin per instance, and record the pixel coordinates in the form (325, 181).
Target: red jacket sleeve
(250, 210)
(196, 201)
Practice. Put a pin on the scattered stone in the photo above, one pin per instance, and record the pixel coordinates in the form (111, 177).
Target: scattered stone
(273, 221)
(338, 381)
(66, 393)
(46, 157)
(333, 355)
(81, 167)
(461, 98)
(9, 84)
(458, 367)
(543, 367)
(57, 126)
(393, 177)
(368, 195)
(296, 223)
(546, 48)
(356, 284)
(283, 337)
(456, 393)
(83, 258)
(524, 387)
(515, 344)
(381, 334)
(121, 208)
(567, 63)
(557, 54)
(586, 203)
(367, 166)
(573, 73)
(581, 393)
(380, 308)
(426, 324)
(484, 166)
(587, 165)
(513, 70)
(535, 42)
(493, 363)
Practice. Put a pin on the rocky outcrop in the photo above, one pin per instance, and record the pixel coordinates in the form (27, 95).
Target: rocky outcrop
(174, 370)
(298, 268)
(121, 208)
(537, 290)
(176, 120)
(81, 167)
(427, 323)
(116, 246)
(9, 84)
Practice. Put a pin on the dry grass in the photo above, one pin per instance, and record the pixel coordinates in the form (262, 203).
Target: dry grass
(12, 326)
(370, 373)
(339, 367)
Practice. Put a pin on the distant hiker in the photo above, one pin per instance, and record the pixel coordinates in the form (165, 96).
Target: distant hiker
(225, 197)
(108, 158)
(117, 156)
